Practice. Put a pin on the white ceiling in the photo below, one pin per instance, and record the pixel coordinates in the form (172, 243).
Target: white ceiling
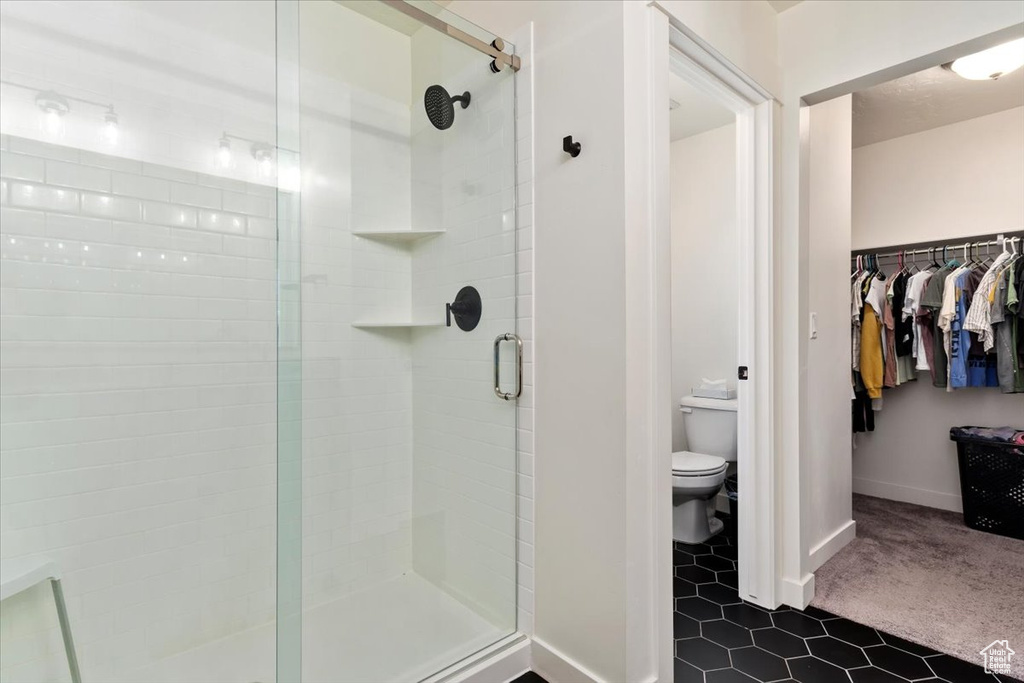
(929, 99)
(696, 113)
(783, 5)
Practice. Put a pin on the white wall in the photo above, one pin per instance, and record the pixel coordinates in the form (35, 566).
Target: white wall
(705, 300)
(946, 183)
(825, 45)
(828, 356)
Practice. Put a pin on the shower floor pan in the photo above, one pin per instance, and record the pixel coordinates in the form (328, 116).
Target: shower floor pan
(401, 630)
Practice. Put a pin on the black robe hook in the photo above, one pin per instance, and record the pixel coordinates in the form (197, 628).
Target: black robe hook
(571, 148)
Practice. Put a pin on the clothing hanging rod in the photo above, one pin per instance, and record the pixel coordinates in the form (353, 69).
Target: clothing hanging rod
(928, 247)
(494, 50)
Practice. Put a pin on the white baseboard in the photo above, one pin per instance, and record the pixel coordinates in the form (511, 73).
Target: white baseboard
(797, 593)
(555, 667)
(908, 494)
(835, 541)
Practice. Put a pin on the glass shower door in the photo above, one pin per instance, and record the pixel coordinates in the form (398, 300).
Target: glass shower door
(397, 430)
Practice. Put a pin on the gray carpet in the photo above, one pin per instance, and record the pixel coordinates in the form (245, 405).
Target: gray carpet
(920, 574)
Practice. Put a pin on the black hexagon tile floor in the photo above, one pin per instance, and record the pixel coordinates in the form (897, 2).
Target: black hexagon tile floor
(721, 639)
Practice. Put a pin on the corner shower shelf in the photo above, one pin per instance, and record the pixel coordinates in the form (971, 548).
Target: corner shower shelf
(369, 325)
(404, 236)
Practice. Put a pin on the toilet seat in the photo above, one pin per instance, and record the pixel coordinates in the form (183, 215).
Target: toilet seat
(688, 464)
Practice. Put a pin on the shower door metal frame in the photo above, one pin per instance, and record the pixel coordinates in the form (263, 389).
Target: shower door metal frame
(494, 50)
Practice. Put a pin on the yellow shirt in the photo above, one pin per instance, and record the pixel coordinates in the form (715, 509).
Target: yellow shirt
(872, 367)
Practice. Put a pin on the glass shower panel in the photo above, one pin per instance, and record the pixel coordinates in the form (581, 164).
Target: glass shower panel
(138, 337)
(408, 456)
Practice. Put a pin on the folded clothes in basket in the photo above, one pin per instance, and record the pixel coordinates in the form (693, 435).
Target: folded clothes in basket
(999, 434)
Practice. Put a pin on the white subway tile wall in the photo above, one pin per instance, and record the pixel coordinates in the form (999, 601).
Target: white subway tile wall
(137, 408)
(357, 385)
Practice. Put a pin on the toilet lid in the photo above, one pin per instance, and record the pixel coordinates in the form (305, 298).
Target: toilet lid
(688, 463)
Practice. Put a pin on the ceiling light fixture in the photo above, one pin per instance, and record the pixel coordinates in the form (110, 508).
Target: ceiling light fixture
(263, 152)
(56, 106)
(990, 64)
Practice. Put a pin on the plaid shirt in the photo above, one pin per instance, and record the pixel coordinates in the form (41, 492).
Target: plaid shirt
(979, 316)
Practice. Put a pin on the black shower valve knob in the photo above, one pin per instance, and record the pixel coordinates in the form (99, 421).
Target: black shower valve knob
(466, 309)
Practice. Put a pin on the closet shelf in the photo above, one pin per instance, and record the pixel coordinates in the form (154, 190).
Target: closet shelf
(371, 324)
(403, 236)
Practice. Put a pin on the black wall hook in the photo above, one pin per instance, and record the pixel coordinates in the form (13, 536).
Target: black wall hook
(571, 148)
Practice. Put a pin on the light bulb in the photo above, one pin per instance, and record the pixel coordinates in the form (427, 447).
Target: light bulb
(54, 106)
(111, 129)
(992, 63)
(224, 152)
(264, 156)
(266, 167)
(53, 124)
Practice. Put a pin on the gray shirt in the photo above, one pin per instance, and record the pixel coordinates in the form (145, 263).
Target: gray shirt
(1003, 335)
(932, 300)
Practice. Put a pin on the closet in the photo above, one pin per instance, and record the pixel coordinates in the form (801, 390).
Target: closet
(913, 184)
(955, 320)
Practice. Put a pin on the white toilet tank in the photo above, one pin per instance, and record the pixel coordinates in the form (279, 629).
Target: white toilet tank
(710, 425)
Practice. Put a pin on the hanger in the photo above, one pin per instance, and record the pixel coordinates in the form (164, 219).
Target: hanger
(988, 260)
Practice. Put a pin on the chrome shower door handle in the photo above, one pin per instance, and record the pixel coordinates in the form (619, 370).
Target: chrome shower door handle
(503, 395)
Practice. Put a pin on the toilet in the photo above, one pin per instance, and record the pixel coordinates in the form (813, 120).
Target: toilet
(698, 474)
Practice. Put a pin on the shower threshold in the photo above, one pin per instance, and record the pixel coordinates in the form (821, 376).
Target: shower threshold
(400, 630)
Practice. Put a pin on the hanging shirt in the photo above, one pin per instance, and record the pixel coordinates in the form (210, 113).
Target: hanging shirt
(1015, 305)
(890, 375)
(872, 366)
(875, 297)
(931, 302)
(911, 310)
(979, 315)
(856, 308)
(904, 326)
(955, 335)
(1003, 330)
(945, 317)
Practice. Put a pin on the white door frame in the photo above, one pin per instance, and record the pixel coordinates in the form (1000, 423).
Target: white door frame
(756, 118)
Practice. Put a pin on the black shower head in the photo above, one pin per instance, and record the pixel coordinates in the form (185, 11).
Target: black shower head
(440, 106)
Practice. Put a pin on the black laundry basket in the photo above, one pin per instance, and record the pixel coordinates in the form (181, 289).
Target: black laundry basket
(991, 482)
